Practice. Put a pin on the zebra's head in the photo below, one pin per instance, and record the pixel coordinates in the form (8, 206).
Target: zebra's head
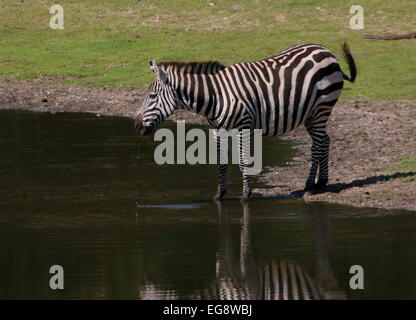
(160, 102)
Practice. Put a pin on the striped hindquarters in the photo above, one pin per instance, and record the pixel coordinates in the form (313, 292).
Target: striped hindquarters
(280, 92)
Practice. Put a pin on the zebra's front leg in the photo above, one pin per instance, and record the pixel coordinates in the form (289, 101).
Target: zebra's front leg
(222, 182)
(246, 185)
(222, 160)
(244, 154)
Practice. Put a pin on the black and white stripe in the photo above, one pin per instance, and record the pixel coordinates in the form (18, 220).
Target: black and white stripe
(299, 85)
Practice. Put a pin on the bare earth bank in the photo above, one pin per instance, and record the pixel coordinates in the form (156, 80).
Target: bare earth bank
(367, 141)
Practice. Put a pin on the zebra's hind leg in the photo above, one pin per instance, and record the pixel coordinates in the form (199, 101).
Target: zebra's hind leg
(320, 152)
(323, 162)
(310, 182)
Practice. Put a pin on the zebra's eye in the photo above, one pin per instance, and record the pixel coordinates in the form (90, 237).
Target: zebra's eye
(152, 95)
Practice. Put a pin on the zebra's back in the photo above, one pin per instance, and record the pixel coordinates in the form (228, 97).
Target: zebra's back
(278, 94)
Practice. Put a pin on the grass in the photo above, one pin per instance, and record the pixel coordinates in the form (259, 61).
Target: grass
(406, 164)
(109, 43)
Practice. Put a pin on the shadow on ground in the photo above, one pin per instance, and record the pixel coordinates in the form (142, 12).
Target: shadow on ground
(338, 187)
(332, 188)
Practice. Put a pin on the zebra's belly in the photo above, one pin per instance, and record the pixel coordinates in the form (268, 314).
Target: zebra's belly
(277, 122)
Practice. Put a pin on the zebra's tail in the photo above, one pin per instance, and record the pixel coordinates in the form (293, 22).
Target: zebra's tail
(350, 61)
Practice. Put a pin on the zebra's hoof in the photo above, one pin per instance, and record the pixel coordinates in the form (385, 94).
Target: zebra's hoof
(321, 183)
(246, 195)
(244, 199)
(218, 196)
(309, 187)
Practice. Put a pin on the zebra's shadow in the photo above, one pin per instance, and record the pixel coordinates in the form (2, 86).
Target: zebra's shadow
(338, 187)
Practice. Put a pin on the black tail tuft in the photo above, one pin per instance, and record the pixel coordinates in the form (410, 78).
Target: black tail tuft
(350, 61)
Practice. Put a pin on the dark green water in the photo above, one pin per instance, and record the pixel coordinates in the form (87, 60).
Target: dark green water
(69, 189)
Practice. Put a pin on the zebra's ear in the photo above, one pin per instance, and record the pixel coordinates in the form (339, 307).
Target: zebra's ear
(153, 65)
(162, 74)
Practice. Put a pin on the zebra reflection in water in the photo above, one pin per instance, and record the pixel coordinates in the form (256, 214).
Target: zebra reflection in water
(273, 279)
(276, 279)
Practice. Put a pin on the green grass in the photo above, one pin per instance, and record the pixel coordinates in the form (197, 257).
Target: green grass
(99, 46)
(406, 164)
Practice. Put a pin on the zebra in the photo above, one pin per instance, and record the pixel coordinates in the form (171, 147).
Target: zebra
(299, 85)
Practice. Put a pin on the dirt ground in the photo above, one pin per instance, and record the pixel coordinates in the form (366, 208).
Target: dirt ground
(43, 95)
(367, 141)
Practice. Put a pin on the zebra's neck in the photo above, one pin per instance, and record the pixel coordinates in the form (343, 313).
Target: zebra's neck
(200, 93)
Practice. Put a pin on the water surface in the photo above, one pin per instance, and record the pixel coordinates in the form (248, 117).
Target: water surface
(84, 192)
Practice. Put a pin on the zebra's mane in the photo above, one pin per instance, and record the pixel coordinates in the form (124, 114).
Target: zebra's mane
(207, 67)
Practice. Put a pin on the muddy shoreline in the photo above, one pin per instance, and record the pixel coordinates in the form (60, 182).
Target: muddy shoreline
(367, 141)
(43, 95)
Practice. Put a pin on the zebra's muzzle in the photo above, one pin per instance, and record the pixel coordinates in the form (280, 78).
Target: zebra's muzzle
(143, 130)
